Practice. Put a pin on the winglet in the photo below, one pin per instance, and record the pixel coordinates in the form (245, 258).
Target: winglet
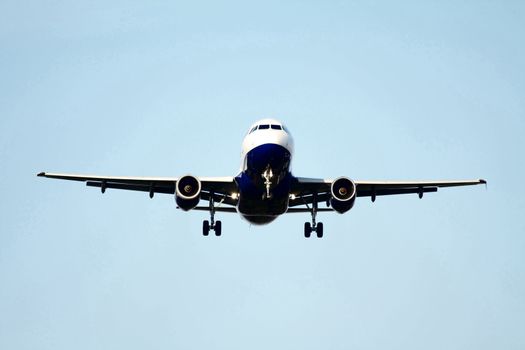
(482, 181)
(42, 173)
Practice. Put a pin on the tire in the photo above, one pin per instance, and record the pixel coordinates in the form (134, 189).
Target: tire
(307, 229)
(320, 230)
(218, 228)
(205, 227)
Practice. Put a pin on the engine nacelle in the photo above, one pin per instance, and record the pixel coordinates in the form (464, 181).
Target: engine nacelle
(188, 192)
(343, 195)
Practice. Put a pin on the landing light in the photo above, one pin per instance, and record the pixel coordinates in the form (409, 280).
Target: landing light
(234, 195)
(292, 196)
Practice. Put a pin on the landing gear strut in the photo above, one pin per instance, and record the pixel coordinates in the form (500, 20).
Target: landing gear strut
(313, 226)
(267, 175)
(212, 224)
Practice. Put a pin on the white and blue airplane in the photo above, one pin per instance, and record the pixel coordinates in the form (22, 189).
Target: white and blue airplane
(265, 187)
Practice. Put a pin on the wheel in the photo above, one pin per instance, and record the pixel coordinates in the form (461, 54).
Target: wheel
(205, 227)
(307, 229)
(319, 230)
(218, 228)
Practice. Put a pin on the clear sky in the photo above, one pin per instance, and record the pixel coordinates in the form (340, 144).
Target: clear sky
(370, 89)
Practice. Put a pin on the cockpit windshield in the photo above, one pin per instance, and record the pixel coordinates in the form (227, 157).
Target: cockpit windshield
(267, 127)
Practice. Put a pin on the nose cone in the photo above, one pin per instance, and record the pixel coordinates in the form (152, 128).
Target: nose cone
(267, 133)
(279, 137)
(289, 143)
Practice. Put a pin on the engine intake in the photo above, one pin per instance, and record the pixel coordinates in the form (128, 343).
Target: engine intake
(343, 195)
(188, 192)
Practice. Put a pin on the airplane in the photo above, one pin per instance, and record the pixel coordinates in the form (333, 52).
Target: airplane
(264, 188)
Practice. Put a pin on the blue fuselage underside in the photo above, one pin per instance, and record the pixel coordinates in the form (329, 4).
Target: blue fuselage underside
(254, 203)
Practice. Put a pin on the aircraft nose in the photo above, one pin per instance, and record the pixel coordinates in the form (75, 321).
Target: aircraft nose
(279, 137)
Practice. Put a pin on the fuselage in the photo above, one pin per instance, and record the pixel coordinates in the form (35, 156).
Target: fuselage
(265, 177)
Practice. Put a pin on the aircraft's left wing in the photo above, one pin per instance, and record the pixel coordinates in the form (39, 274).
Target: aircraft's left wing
(304, 189)
(384, 188)
(221, 187)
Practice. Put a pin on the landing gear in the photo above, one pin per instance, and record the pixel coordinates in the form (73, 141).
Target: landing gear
(218, 228)
(212, 224)
(307, 229)
(313, 226)
(319, 230)
(267, 175)
(205, 227)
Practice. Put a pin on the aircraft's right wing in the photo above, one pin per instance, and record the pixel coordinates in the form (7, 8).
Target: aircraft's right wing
(221, 187)
(304, 189)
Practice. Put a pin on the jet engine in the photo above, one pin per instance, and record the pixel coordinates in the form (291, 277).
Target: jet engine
(343, 195)
(188, 192)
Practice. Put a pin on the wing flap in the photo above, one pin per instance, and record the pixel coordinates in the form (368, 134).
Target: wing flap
(393, 191)
(217, 209)
(306, 210)
(152, 188)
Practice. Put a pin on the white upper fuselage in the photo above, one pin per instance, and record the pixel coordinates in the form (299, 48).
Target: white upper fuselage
(266, 131)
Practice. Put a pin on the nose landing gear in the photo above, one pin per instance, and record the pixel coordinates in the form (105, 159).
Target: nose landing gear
(267, 175)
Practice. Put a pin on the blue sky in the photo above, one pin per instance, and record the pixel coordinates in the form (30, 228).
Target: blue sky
(370, 90)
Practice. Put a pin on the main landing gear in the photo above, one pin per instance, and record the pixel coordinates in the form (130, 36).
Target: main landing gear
(212, 224)
(314, 226)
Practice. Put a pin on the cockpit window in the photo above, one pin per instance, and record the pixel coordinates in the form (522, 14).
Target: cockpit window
(268, 126)
(286, 129)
